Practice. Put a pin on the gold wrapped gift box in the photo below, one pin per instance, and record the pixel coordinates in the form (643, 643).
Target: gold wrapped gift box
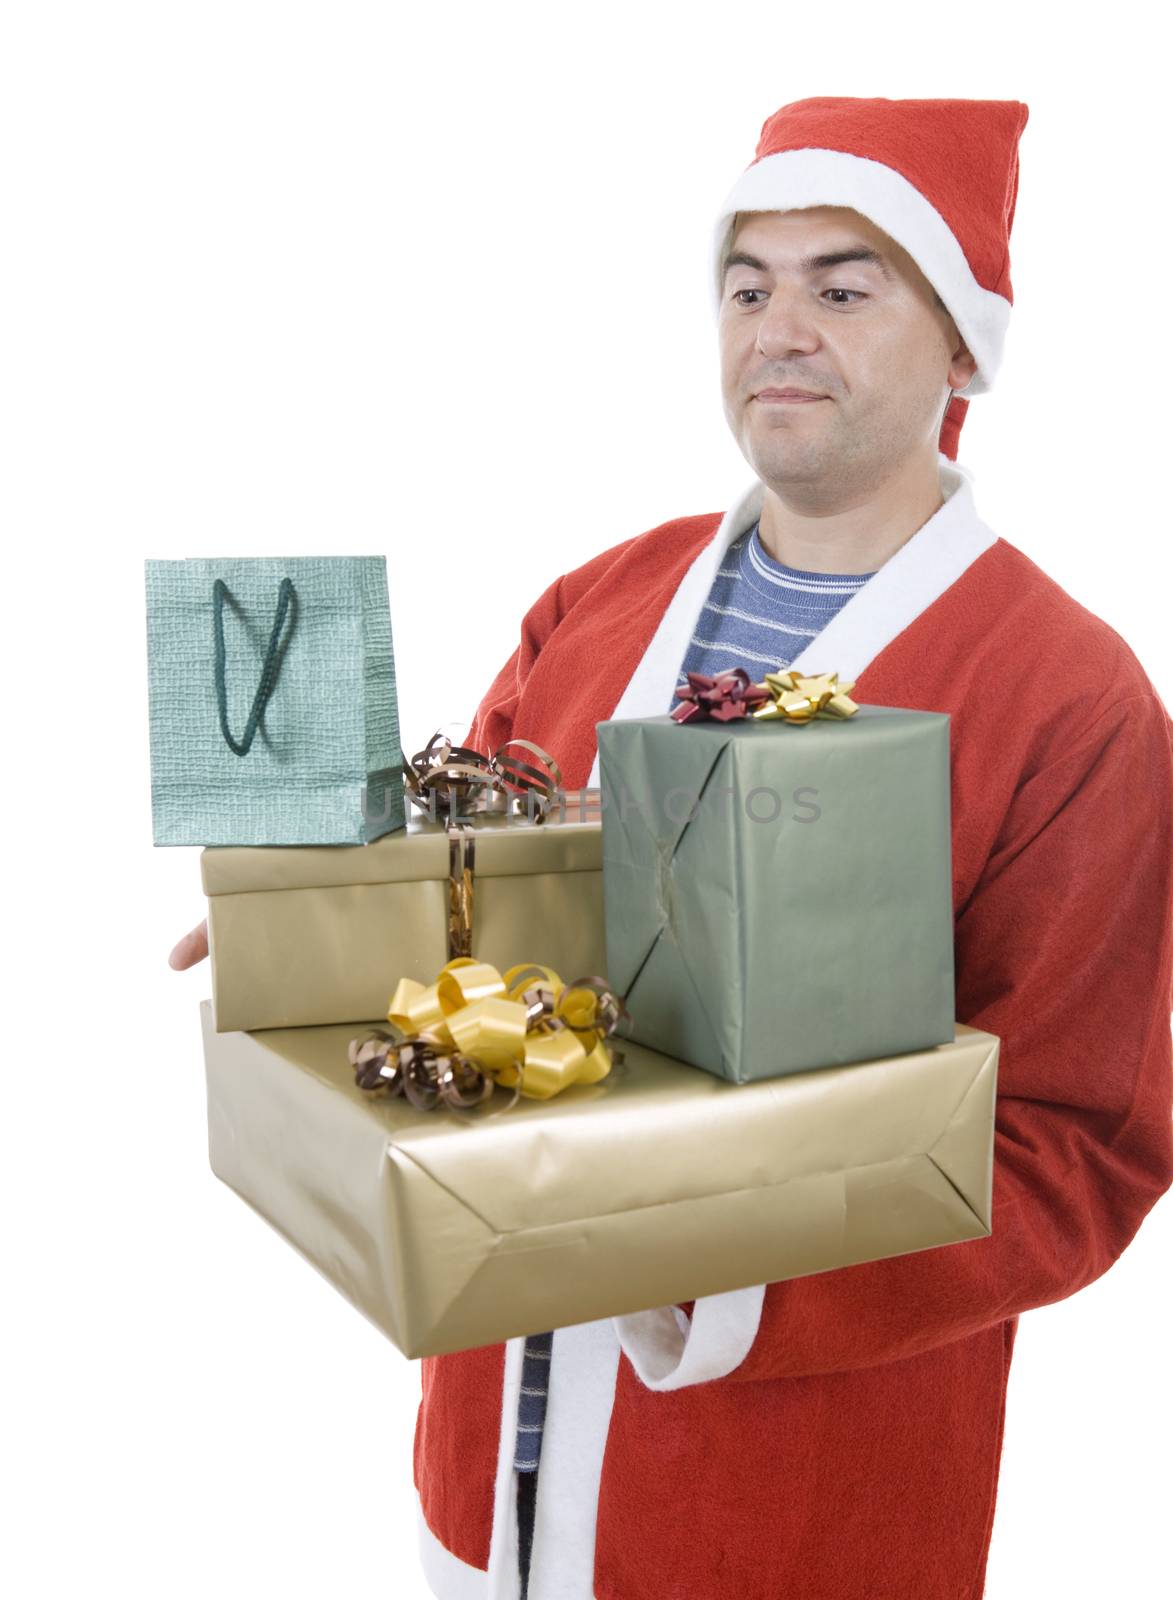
(657, 1185)
(309, 935)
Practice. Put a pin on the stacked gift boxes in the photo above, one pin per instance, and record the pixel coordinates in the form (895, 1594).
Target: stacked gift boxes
(790, 1094)
(734, 1062)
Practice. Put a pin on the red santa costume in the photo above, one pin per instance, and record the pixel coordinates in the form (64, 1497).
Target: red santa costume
(837, 1436)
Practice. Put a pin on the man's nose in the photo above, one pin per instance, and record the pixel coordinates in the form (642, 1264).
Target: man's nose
(786, 324)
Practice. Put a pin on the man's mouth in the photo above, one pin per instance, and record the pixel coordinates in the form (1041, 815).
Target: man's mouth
(787, 396)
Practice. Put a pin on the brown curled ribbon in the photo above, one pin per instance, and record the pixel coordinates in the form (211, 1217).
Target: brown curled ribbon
(450, 780)
(454, 782)
(455, 1039)
(462, 844)
(781, 697)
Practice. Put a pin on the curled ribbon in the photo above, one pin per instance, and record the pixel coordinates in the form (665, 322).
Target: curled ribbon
(722, 697)
(453, 781)
(474, 1027)
(795, 698)
(462, 845)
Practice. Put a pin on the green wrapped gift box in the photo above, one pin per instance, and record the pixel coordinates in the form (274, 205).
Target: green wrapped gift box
(778, 897)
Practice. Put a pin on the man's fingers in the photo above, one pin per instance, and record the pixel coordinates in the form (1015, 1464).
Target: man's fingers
(191, 948)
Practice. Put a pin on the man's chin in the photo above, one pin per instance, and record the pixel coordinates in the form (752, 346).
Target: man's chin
(777, 467)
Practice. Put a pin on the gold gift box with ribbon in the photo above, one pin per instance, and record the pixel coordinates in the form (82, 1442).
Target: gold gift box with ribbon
(306, 936)
(654, 1185)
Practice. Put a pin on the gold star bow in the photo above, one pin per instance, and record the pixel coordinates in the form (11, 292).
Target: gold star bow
(798, 698)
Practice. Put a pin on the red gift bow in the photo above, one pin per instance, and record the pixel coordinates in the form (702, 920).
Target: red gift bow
(723, 697)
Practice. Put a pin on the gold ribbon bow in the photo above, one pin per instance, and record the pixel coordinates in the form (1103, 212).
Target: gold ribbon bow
(473, 1027)
(797, 698)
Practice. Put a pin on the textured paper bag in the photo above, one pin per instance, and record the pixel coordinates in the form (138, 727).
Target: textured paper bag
(273, 712)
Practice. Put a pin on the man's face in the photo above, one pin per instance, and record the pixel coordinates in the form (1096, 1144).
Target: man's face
(865, 334)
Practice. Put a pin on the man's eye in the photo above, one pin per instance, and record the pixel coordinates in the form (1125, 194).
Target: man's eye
(858, 293)
(737, 293)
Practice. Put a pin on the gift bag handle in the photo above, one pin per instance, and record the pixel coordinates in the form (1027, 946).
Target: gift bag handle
(285, 598)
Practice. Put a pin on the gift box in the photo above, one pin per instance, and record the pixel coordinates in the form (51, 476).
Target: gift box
(654, 1186)
(308, 936)
(273, 710)
(778, 897)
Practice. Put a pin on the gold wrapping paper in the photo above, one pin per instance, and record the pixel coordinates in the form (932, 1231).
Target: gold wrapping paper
(312, 935)
(657, 1185)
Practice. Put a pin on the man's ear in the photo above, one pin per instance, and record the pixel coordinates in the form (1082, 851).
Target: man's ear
(962, 366)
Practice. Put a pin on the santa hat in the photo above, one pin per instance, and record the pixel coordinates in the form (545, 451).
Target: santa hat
(938, 176)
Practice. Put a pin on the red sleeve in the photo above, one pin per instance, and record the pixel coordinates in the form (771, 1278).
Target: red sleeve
(1064, 951)
(493, 723)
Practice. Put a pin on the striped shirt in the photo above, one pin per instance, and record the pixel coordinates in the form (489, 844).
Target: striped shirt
(531, 1409)
(759, 615)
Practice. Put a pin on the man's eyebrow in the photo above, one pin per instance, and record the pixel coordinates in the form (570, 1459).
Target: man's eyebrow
(832, 258)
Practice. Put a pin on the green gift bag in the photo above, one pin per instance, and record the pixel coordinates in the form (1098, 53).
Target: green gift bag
(273, 715)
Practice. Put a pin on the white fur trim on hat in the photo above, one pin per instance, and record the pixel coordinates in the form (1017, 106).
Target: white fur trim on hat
(791, 180)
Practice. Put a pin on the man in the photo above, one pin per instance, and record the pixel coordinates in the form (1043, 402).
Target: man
(837, 1437)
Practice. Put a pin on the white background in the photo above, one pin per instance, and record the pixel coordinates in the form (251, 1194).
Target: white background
(341, 278)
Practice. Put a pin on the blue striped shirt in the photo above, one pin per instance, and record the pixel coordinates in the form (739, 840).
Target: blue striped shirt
(760, 615)
(531, 1408)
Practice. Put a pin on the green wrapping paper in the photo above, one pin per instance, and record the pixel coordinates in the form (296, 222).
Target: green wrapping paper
(776, 897)
(657, 1185)
(299, 937)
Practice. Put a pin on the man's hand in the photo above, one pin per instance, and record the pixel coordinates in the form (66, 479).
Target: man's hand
(191, 948)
